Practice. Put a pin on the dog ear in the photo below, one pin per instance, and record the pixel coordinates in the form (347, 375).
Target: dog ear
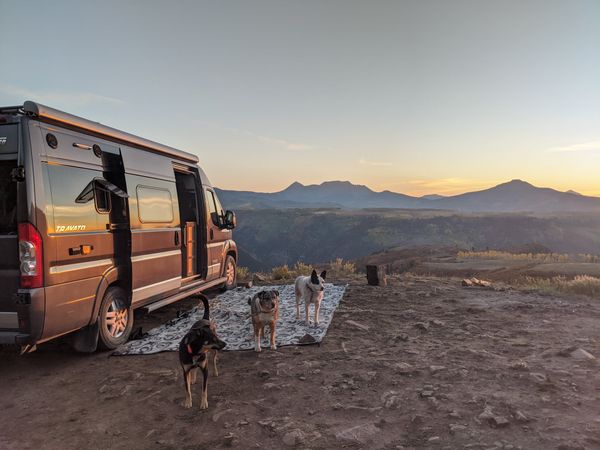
(323, 274)
(276, 293)
(314, 279)
(249, 300)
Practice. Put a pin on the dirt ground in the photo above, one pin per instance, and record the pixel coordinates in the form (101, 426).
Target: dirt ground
(421, 363)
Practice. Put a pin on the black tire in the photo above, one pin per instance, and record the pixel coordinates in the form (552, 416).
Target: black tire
(111, 335)
(230, 271)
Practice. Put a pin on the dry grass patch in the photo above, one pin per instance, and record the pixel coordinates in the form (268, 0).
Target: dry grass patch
(580, 285)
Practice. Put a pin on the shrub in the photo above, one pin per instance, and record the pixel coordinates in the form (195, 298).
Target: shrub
(281, 272)
(301, 268)
(341, 268)
(243, 273)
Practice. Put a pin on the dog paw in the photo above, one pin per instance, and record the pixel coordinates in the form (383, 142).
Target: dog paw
(273, 347)
(257, 350)
(204, 405)
(187, 404)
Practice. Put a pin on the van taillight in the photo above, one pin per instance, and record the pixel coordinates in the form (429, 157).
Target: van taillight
(30, 255)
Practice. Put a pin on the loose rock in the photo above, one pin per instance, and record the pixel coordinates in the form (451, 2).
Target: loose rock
(357, 434)
(422, 326)
(293, 437)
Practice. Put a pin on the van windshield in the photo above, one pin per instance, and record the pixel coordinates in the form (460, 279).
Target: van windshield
(9, 147)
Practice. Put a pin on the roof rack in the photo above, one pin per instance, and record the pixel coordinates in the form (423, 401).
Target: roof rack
(51, 115)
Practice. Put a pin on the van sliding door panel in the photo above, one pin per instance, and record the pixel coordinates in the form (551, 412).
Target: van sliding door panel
(155, 238)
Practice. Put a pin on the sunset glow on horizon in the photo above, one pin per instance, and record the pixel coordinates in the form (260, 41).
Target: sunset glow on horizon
(413, 97)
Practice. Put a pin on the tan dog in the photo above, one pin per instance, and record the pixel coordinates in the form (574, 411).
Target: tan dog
(264, 308)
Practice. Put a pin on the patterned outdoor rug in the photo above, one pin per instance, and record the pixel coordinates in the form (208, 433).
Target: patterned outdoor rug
(231, 312)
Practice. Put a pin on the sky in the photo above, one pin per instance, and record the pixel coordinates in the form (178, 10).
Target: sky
(418, 97)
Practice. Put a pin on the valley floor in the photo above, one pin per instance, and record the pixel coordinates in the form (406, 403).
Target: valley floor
(421, 363)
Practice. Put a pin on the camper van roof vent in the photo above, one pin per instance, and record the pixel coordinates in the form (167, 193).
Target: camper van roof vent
(47, 114)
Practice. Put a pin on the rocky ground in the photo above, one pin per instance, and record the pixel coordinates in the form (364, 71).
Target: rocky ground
(421, 363)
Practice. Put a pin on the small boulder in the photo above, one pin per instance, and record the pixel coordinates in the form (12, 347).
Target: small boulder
(580, 353)
(422, 326)
(307, 339)
(257, 278)
(519, 365)
(293, 438)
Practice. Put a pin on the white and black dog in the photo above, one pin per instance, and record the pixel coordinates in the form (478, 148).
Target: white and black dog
(310, 289)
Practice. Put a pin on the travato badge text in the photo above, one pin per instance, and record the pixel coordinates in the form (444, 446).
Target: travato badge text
(2, 140)
(66, 228)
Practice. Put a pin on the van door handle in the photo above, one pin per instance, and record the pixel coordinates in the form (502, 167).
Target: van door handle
(176, 237)
(81, 250)
(212, 235)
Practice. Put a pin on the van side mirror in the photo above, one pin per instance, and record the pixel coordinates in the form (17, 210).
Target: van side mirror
(230, 220)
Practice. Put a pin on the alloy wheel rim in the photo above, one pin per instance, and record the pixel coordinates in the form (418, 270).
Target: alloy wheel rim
(230, 273)
(116, 320)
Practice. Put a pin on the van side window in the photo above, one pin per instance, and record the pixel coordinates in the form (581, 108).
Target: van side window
(74, 202)
(214, 207)
(102, 199)
(94, 190)
(155, 205)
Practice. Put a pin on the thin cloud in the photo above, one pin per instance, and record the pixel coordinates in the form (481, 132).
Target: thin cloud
(64, 99)
(283, 143)
(366, 162)
(288, 145)
(585, 146)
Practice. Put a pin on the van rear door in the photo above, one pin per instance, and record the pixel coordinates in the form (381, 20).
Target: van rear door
(9, 248)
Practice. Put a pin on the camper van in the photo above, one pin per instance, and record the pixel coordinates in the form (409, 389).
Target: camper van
(95, 223)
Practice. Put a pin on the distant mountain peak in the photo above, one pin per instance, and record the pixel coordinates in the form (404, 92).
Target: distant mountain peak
(294, 186)
(571, 191)
(518, 182)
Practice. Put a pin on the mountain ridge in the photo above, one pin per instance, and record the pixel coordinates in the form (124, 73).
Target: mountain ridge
(513, 196)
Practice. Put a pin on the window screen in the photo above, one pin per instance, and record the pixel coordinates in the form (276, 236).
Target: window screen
(155, 205)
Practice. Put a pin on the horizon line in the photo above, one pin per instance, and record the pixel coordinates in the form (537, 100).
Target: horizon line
(569, 191)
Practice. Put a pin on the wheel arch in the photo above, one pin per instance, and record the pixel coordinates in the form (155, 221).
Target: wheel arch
(109, 279)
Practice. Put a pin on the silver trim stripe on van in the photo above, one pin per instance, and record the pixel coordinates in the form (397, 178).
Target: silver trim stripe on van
(80, 266)
(155, 255)
(156, 288)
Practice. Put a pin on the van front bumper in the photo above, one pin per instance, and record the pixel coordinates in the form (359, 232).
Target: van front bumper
(14, 338)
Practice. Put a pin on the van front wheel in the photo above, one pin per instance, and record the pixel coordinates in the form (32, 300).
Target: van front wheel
(230, 273)
(116, 319)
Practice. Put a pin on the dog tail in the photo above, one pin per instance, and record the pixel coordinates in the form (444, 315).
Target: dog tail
(204, 300)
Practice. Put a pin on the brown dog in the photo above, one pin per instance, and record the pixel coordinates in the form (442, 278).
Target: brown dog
(264, 308)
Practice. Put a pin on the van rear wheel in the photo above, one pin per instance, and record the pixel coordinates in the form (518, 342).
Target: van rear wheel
(230, 273)
(116, 319)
